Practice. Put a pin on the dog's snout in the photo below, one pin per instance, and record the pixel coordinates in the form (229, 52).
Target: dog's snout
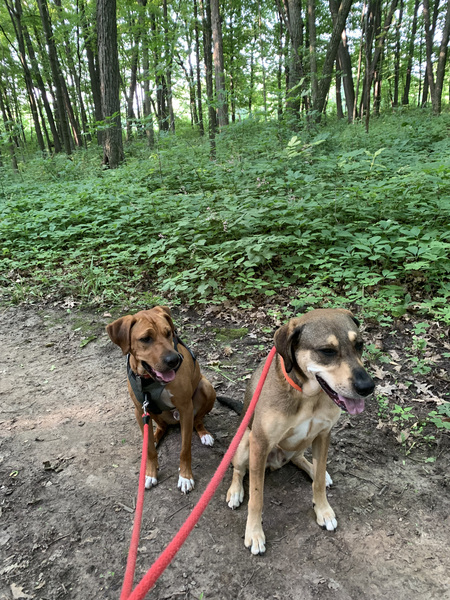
(172, 360)
(362, 382)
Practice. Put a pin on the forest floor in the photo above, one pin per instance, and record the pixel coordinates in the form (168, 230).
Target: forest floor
(70, 454)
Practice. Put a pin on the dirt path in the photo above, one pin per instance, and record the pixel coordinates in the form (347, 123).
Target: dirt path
(69, 459)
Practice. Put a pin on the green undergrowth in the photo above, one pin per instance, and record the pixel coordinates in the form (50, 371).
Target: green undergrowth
(330, 214)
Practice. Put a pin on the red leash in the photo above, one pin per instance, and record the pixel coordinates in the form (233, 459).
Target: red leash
(159, 566)
(132, 553)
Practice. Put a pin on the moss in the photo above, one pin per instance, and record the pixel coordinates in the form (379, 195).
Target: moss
(225, 334)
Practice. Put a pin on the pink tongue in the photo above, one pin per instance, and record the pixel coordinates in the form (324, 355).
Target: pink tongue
(166, 377)
(354, 407)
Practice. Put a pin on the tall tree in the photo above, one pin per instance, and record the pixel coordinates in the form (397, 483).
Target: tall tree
(109, 82)
(436, 84)
(409, 65)
(219, 64)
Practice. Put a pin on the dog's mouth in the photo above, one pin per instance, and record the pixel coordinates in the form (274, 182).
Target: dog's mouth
(159, 376)
(351, 405)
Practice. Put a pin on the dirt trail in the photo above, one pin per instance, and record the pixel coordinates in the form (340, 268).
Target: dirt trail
(69, 459)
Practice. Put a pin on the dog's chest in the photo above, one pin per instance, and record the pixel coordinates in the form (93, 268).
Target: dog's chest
(305, 430)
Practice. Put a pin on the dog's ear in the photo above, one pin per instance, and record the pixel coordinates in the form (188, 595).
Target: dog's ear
(120, 332)
(165, 311)
(285, 339)
(350, 314)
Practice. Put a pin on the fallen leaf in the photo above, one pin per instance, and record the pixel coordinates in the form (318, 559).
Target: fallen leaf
(86, 341)
(17, 592)
(387, 388)
(380, 373)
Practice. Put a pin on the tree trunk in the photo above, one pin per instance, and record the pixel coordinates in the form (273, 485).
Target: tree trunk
(294, 24)
(344, 64)
(219, 64)
(207, 46)
(198, 71)
(313, 51)
(263, 66)
(330, 57)
(15, 14)
(397, 55)
(405, 99)
(436, 85)
(131, 117)
(90, 47)
(56, 142)
(56, 75)
(109, 82)
(339, 111)
(169, 61)
(8, 127)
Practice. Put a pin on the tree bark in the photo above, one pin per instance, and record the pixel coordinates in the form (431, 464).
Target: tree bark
(15, 13)
(436, 85)
(330, 57)
(56, 142)
(198, 72)
(219, 64)
(313, 52)
(109, 82)
(207, 47)
(56, 75)
(405, 99)
(90, 46)
(397, 55)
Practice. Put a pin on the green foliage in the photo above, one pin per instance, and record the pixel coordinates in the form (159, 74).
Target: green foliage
(335, 216)
(441, 416)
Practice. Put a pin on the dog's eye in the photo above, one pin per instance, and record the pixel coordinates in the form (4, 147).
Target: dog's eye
(168, 333)
(328, 351)
(146, 340)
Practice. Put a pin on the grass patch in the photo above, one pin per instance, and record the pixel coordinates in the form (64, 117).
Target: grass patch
(330, 216)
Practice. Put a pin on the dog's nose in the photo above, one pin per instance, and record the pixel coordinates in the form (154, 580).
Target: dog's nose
(362, 382)
(172, 360)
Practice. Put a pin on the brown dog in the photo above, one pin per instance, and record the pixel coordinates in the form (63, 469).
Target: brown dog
(316, 373)
(164, 372)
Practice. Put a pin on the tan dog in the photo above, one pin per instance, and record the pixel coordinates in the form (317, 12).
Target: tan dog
(316, 372)
(163, 371)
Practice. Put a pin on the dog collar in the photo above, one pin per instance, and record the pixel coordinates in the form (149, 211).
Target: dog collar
(290, 381)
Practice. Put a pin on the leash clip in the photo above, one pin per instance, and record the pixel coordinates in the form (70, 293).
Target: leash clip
(146, 414)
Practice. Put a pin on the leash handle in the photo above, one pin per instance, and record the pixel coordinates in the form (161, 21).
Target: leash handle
(159, 566)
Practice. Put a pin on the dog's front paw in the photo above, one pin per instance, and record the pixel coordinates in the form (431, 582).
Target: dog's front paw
(150, 482)
(207, 439)
(255, 540)
(235, 497)
(185, 485)
(326, 518)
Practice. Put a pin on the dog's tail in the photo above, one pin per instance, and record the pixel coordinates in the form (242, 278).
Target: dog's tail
(235, 405)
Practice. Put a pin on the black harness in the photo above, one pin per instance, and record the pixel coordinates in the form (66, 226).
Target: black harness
(146, 389)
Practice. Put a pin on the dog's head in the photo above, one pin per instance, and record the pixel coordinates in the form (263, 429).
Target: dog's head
(148, 337)
(324, 346)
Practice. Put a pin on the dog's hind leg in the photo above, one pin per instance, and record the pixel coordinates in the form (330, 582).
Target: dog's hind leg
(235, 493)
(203, 400)
(300, 461)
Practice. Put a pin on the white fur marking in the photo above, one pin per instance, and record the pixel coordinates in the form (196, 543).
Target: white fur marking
(328, 480)
(207, 440)
(150, 482)
(185, 485)
(236, 499)
(313, 369)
